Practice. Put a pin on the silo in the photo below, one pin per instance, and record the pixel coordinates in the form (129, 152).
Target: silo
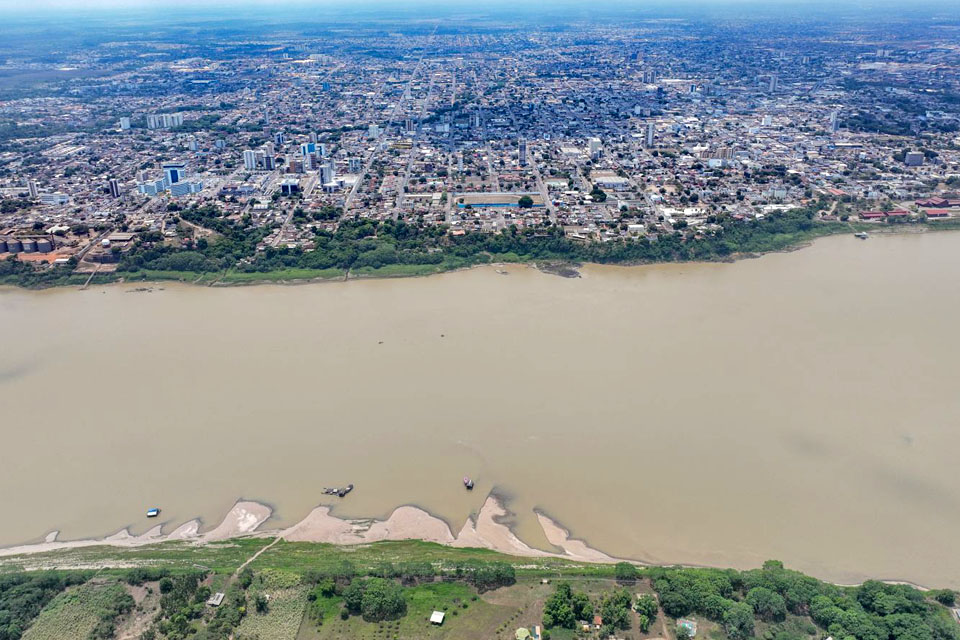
(29, 245)
(14, 246)
(3, 245)
(44, 245)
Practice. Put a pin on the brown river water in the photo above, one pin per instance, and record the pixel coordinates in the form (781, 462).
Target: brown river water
(802, 406)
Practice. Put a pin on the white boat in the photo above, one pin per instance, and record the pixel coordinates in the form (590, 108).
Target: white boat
(153, 513)
(862, 235)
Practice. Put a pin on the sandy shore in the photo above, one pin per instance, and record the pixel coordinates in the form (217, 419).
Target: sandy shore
(485, 530)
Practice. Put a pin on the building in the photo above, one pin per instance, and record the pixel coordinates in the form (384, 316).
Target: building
(594, 148)
(328, 172)
(164, 120)
(648, 138)
(834, 121)
(913, 158)
(173, 172)
(373, 132)
(32, 188)
(54, 198)
(250, 160)
(185, 188)
(437, 617)
(290, 186)
(114, 188)
(124, 123)
(523, 152)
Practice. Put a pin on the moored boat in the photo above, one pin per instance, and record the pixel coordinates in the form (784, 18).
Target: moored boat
(468, 483)
(153, 513)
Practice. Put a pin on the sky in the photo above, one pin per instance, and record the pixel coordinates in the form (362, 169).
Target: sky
(487, 6)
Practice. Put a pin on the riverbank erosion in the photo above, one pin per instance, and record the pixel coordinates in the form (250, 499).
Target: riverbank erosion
(484, 530)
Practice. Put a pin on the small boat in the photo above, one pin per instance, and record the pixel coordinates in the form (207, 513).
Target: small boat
(336, 491)
(862, 235)
(468, 483)
(153, 513)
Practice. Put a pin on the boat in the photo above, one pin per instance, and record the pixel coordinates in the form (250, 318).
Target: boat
(468, 483)
(153, 513)
(337, 491)
(862, 235)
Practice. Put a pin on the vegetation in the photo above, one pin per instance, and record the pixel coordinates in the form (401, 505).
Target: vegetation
(387, 590)
(88, 611)
(364, 247)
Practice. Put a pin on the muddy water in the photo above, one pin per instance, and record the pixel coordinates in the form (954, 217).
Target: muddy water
(801, 406)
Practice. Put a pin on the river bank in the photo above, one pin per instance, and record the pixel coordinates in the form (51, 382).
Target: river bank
(554, 264)
(483, 530)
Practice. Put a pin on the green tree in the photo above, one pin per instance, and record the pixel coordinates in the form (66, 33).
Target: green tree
(525, 202)
(738, 621)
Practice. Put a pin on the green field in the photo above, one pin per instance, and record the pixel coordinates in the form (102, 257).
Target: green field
(76, 612)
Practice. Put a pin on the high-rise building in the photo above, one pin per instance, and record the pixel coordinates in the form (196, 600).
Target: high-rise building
(459, 163)
(523, 152)
(250, 160)
(32, 188)
(373, 132)
(834, 121)
(774, 82)
(192, 144)
(767, 120)
(648, 138)
(356, 165)
(124, 123)
(173, 172)
(164, 120)
(409, 125)
(594, 147)
(279, 138)
(114, 188)
(328, 172)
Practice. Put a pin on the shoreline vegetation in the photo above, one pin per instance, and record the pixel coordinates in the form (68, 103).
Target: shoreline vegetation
(360, 249)
(373, 582)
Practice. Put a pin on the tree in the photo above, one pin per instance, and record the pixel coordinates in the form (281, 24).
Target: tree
(383, 600)
(525, 202)
(768, 605)
(738, 621)
(625, 572)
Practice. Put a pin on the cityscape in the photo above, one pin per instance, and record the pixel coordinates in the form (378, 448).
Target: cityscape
(539, 320)
(604, 133)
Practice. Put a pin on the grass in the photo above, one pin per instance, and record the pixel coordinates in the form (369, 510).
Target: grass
(398, 270)
(477, 619)
(239, 277)
(287, 600)
(75, 612)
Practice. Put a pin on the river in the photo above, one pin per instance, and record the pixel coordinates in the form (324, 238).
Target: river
(801, 406)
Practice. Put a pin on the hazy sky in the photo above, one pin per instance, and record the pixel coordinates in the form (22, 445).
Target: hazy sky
(488, 6)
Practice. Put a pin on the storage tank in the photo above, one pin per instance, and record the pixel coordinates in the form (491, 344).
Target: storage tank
(44, 245)
(3, 245)
(14, 246)
(29, 245)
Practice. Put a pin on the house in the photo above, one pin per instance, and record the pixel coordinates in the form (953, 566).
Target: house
(938, 213)
(597, 622)
(216, 599)
(437, 617)
(872, 215)
(689, 625)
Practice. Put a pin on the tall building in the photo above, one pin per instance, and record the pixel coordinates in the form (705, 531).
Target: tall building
(373, 132)
(774, 82)
(355, 165)
(32, 188)
(173, 172)
(124, 123)
(114, 188)
(250, 160)
(834, 121)
(279, 138)
(164, 120)
(328, 172)
(409, 125)
(523, 152)
(648, 138)
(594, 147)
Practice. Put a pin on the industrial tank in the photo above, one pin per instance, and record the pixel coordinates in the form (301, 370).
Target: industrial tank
(29, 245)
